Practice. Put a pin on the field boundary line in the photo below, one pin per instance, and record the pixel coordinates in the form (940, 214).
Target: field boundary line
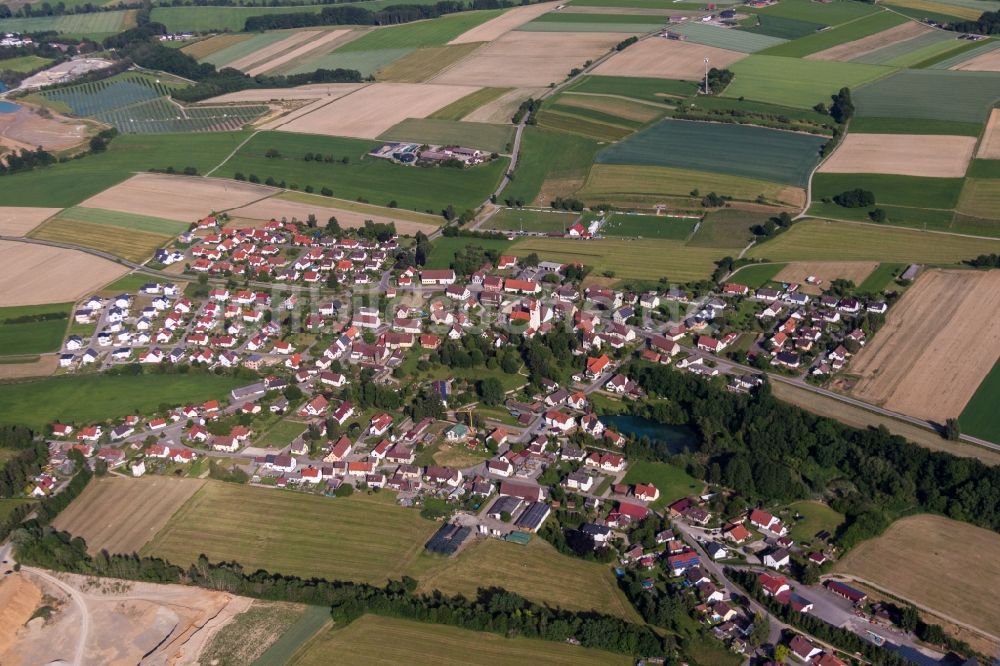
(234, 151)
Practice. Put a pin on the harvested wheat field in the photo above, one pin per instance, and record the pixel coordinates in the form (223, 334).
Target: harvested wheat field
(667, 59)
(502, 109)
(938, 343)
(927, 559)
(181, 198)
(521, 59)
(316, 41)
(35, 274)
(18, 221)
(902, 154)
(120, 514)
(313, 91)
(501, 25)
(267, 54)
(989, 147)
(826, 271)
(985, 62)
(865, 45)
(275, 208)
(372, 110)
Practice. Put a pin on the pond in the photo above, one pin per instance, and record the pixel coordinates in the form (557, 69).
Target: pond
(674, 436)
(8, 107)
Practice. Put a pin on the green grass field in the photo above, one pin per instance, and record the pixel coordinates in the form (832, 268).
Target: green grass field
(492, 138)
(579, 22)
(524, 219)
(869, 125)
(739, 150)
(848, 32)
(797, 83)
(984, 169)
(443, 249)
(964, 51)
(377, 180)
(94, 398)
(360, 538)
(131, 221)
(980, 198)
(930, 93)
(816, 517)
(548, 154)
(628, 185)
(420, 34)
(463, 107)
(364, 209)
(93, 24)
(312, 620)
(879, 279)
(780, 26)
(727, 227)
(647, 226)
(726, 38)
(67, 184)
(23, 63)
(606, 129)
(384, 641)
(827, 13)
(910, 52)
(915, 191)
(366, 62)
(33, 337)
(672, 482)
(650, 89)
(819, 240)
(980, 418)
(756, 276)
(281, 434)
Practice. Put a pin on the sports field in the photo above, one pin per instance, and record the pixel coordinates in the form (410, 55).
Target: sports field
(94, 398)
(797, 83)
(531, 220)
(917, 559)
(367, 539)
(930, 93)
(19, 337)
(647, 226)
(389, 641)
(120, 514)
(491, 138)
(739, 150)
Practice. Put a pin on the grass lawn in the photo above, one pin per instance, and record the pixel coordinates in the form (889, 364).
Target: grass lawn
(536, 571)
(549, 155)
(457, 456)
(980, 417)
(848, 32)
(820, 240)
(463, 107)
(373, 639)
(281, 434)
(672, 482)
(376, 180)
(23, 63)
(33, 337)
(491, 138)
(527, 219)
(728, 228)
(880, 278)
(797, 83)
(444, 248)
(627, 259)
(69, 183)
(817, 517)
(647, 226)
(361, 538)
(95, 398)
(756, 276)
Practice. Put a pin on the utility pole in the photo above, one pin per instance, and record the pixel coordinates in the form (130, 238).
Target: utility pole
(706, 76)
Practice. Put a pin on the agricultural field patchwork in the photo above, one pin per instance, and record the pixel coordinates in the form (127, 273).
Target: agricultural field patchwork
(798, 83)
(850, 35)
(552, 164)
(930, 93)
(650, 89)
(667, 58)
(726, 38)
(422, 64)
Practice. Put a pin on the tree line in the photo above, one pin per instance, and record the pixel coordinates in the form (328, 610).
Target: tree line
(348, 15)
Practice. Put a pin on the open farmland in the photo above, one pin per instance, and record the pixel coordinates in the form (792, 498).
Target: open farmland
(532, 59)
(980, 417)
(366, 539)
(501, 25)
(834, 38)
(263, 53)
(133, 245)
(649, 185)
(752, 152)
(647, 259)
(144, 193)
(756, 276)
(930, 93)
(889, 189)
(422, 64)
(370, 111)
(536, 571)
(936, 347)
(93, 25)
(989, 147)
(551, 164)
(240, 53)
(902, 154)
(780, 26)
(797, 83)
(820, 240)
(667, 58)
(636, 24)
(986, 61)
(300, 206)
(320, 92)
(943, 10)
(467, 105)
(726, 38)
(980, 198)
(910, 51)
(20, 334)
(366, 62)
(727, 228)
(421, 644)
(858, 48)
(826, 13)
(827, 271)
(19, 220)
(35, 274)
(23, 63)
(626, 109)
(499, 108)
(204, 49)
(488, 137)
(318, 42)
(641, 88)
(120, 515)
(917, 559)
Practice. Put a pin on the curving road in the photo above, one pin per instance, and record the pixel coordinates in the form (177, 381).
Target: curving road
(81, 648)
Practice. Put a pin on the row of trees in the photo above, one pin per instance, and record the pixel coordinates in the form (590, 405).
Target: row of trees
(350, 15)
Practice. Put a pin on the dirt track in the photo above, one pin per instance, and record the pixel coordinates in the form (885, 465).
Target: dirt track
(938, 343)
(902, 154)
(34, 274)
(667, 59)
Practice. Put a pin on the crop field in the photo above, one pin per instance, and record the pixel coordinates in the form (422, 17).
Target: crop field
(420, 34)
(983, 59)
(902, 154)
(894, 190)
(421, 644)
(856, 49)
(536, 571)
(780, 26)
(461, 108)
(627, 259)
(241, 51)
(930, 93)
(294, 46)
(491, 138)
(531, 220)
(129, 221)
(936, 346)
(366, 539)
(726, 38)
(667, 58)
(35, 274)
(906, 52)
(914, 126)
(635, 24)
(855, 31)
(551, 164)
(756, 276)
(980, 198)
(624, 184)
(980, 417)
(33, 337)
(643, 88)
(376, 180)
(502, 24)
(826, 271)
(218, 19)
(989, 148)
(422, 64)
(826, 13)
(586, 122)
(120, 514)
(916, 559)
(204, 49)
(647, 226)
(625, 109)
(797, 83)
(937, 8)
(19, 220)
(739, 150)
(94, 24)
(727, 228)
